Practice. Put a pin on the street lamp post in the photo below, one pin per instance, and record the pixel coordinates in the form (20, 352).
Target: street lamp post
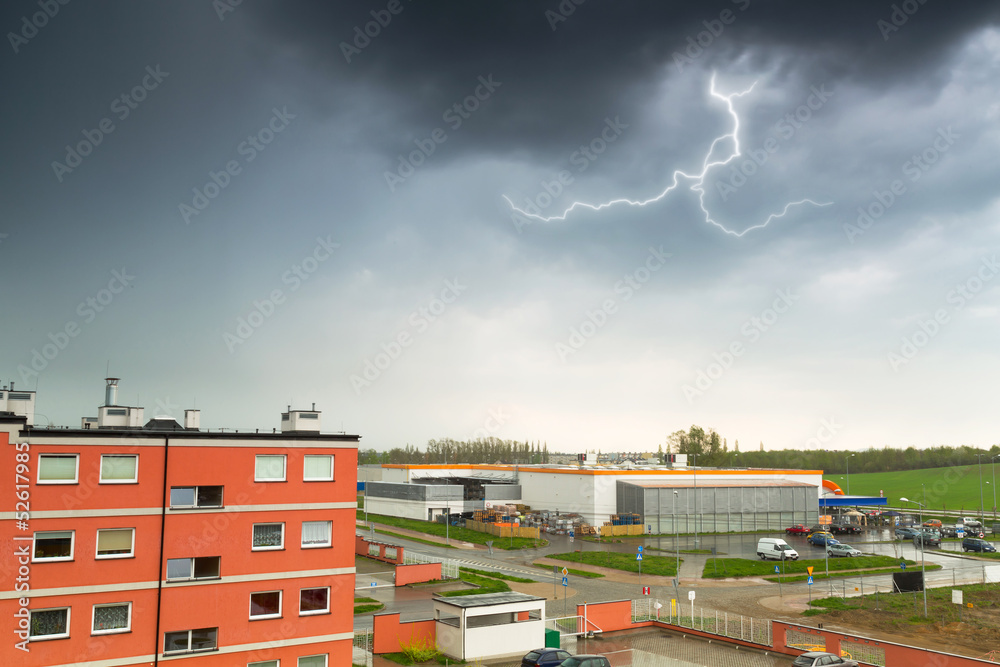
(694, 476)
(993, 463)
(847, 459)
(920, 536)
(982, 505)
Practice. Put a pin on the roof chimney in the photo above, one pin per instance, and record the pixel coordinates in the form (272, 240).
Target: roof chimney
(111, 391)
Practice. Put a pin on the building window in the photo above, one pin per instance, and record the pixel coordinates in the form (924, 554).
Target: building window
(109, 618)
(115, 543)
(49, 623)
(265, 663)
(58, 468)
(266, 604)
(203, 639)
(269, 468)
(317, 468)
(119, 469)
(206, 567)
(53, 545)
(316, 534)
(313, 660)
(195, 496)
(314, 601)
(268, 536)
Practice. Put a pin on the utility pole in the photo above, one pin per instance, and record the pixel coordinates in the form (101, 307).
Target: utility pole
(982, 516)
(694, 476)
(677, 541)
(920, 536)
(848, 460)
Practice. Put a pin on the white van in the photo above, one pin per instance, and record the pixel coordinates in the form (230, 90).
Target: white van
(775, 549)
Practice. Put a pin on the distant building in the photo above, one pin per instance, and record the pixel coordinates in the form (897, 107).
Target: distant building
(139, 543)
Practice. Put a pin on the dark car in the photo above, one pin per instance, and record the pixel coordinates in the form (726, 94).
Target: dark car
(976, 544)
(821, 659)
(822, 539)
(587, 661)
(949, 531)
(545, 657)
(906, 533)
(797, 529)
(930, 538)
(845, 529)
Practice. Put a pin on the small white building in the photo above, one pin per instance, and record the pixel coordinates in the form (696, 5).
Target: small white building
(491, 625)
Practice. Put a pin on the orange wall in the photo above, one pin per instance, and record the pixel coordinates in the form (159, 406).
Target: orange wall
(389, 634)
(608, 616)
(413, 574)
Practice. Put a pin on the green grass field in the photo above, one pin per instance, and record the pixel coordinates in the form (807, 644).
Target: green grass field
(953, 488)
(654, 565)
(453, 532)
(744, 567)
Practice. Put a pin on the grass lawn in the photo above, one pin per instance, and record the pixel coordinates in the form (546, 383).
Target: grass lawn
(652, 565)
(415, 539)
(791, 579)
(486, 584)
(744, 567)
(950, 488)
(572, 572)
(460, 534)
(901, 607)
(365, 605)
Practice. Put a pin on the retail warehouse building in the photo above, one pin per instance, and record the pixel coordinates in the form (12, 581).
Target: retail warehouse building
(666, 498)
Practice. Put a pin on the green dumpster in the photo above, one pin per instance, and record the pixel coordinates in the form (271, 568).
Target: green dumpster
(551, 638)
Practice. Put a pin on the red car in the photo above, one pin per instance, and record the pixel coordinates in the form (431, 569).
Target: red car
(797, 529)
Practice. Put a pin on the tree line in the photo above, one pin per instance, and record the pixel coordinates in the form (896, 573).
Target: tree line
(446, 450)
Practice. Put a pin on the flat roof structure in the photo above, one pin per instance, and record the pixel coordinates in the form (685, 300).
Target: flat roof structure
(851, 501)
(486, 599)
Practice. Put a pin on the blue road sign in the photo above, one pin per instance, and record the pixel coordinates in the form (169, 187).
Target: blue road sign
(810, 580)
(638, 556)
(902, 566)
(640, 548)
(373, 584)
(572, 534)
(565, 581)
(776, 570)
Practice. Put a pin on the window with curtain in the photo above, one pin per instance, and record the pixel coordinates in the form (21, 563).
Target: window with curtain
(317, 468)
(190, 640)
(205, 567)
(49, 623)
(269, 468)
(116, 542)
(57, 468)
(265, 663)
(119, 469)
(268, 535)
(313, 661)
(112, 617)
(316, 533)
(266, 604)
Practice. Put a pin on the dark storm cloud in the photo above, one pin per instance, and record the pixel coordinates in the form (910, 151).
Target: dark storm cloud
(559, 63)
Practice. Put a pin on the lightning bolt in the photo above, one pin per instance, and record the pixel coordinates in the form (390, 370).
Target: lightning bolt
(698, 179)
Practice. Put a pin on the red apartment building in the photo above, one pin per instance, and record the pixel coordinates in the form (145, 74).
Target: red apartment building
(131, 543)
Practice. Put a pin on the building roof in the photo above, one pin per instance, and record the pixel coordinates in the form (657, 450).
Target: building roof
(715, 483)
(591, 470)
(851, 501)
(487, 599)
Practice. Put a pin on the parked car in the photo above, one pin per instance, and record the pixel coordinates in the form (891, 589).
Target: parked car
(949, 531)
(776, 549)
(822, 539)
(821, 659)
(976, 544)
(842, 549)
(906, 533)
(930, 538)
(845, 529)
(932, 523)
(797, 529)
(587, 661)
(545, 657)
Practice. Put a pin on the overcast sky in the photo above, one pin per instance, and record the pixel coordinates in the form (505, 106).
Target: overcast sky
(363, 205)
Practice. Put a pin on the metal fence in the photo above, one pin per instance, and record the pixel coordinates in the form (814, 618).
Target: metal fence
(364, 644)
(712, 621)
(449, 567)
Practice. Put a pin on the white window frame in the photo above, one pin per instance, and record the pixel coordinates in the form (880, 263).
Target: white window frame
(265, 663)
(97, 543)
(325, 656)
(72, 546)
(45, 638)
(329, 536)
(134, 480)
(260, 617)
(284, 468)
(76, 472)
(315, 612)
(189, 649)
(196, 505)
(318, 479)
(93, 619)
(191, 569)
(267, 523)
